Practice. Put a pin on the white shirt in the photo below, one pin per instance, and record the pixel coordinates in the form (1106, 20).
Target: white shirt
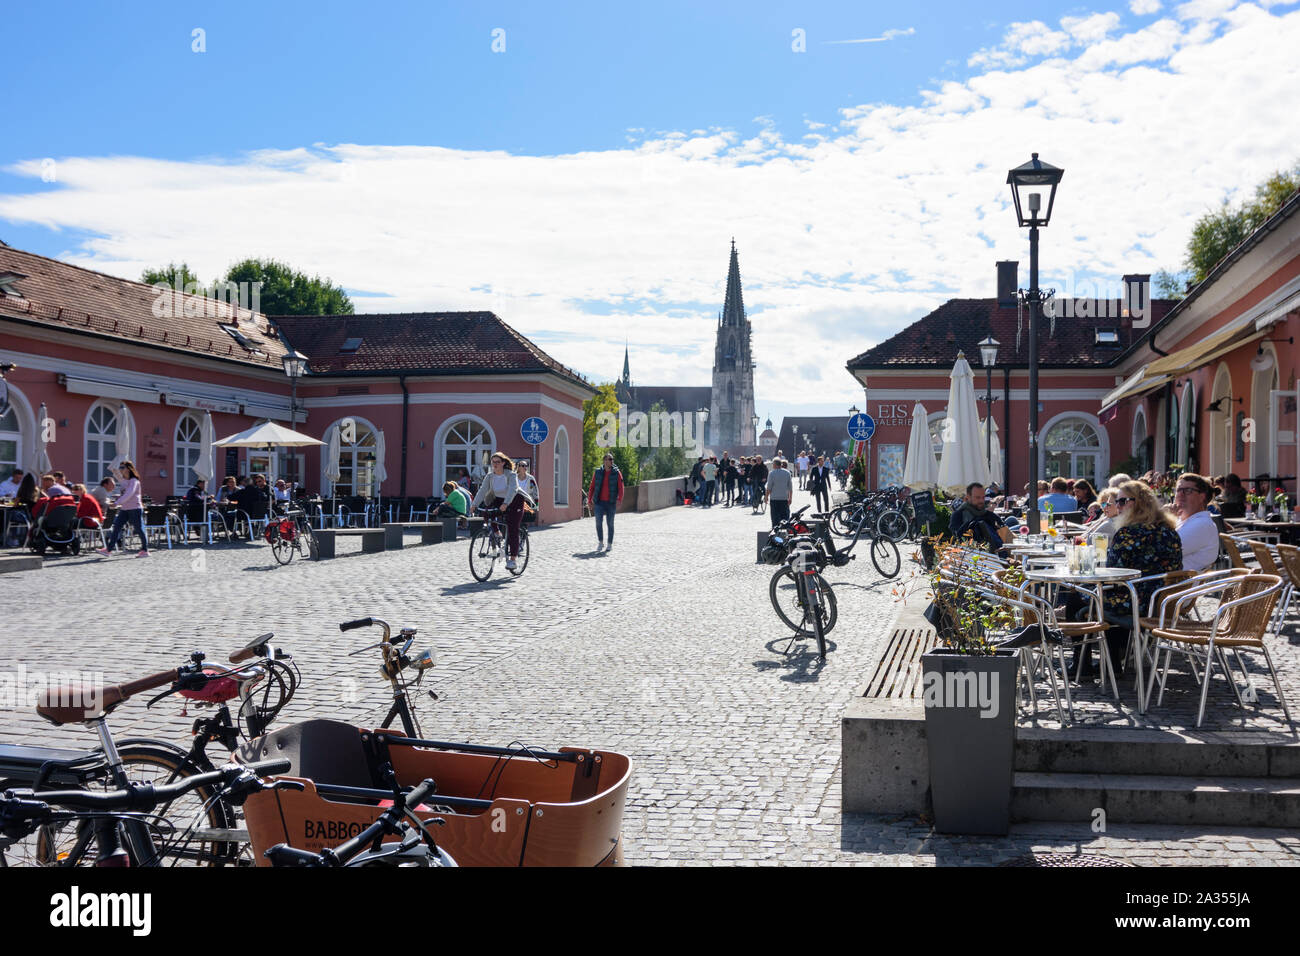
(8, 488)
(282, 494)
(803, 462)
(498, 485)
(1200, 537)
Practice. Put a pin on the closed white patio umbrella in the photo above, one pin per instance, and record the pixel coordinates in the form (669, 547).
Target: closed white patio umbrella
(43, 464)
(920, 471)
(205, 467)
(995, 456)
(333, 451)
(381, 472)
(123, 440)
(963, 452)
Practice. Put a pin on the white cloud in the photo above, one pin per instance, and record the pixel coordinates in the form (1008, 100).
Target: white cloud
(1142, 8)
(844, 237)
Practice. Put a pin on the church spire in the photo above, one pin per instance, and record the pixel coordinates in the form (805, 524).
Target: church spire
(627, 371)
(733, 310)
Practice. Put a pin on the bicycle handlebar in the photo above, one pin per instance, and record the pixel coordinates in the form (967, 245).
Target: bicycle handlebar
(359, 622)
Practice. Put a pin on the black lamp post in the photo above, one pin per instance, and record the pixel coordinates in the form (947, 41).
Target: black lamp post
(1028, 182)
(989, 356)
(753, 420)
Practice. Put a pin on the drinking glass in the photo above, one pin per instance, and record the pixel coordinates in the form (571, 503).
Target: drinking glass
(1072, 557)
(1087, 559)
(1101, 542)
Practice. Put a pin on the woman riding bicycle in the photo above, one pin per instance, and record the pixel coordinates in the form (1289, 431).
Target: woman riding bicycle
(500, 490)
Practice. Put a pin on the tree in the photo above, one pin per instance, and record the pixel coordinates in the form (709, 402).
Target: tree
(1217, 233)
(667, 461)
(601, 433)
(179, 276)
(285, 291)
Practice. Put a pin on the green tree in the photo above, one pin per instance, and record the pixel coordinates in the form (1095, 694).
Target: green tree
(179, 276)
(285, 291)
(1217, 233)
(601, 434)
(664, 462)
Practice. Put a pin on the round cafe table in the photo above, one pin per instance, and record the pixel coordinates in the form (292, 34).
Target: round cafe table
(1100, 578)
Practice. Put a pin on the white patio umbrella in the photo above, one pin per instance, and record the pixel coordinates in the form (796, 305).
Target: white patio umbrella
(381, 473)
(920, 471)
(268, 435)
(995, 456)
(333, 472)
(963, 452)
(205, 467)
(43, 463)
(123, 441)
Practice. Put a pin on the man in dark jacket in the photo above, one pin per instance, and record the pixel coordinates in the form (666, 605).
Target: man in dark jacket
(758, 482)
(696, 478)
(971, 517)
(605, 493)
(819, 483)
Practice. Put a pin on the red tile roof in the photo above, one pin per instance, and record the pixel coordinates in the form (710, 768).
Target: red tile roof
(960, 324)
(68, 297)
(429, 343)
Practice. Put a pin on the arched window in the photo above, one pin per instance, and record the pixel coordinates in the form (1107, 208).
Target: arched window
(561, 472)
(356, 461)
(731, 394)
(936, 434)
(101, 442)
(1072, 449)
(1187, 429)
(1261, 409)
(189, 445)
(1140, 444)
(11, 443)
(1219, 427)
(464, 442)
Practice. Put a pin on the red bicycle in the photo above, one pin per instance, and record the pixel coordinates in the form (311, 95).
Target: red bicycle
(291, 532)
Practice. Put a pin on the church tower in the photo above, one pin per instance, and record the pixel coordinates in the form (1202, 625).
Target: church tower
(731, 411)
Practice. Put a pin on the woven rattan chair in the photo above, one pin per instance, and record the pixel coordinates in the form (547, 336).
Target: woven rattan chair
(1240, 622)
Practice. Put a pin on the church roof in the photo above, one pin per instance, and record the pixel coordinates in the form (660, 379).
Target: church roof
(675, 398)
(733, 309)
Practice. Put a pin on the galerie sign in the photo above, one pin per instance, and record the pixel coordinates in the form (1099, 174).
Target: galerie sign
(887, 415)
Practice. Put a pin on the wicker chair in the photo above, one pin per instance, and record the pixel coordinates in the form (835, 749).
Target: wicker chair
(1241, 621)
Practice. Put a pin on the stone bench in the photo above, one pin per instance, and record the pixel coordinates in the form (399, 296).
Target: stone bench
(431, 532)
(449, 527)
(373, 540)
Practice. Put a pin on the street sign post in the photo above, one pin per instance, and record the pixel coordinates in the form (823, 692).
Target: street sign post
(534, 430)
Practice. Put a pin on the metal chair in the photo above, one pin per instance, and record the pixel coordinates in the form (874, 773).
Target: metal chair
(89, 527)
(158, 519)
(1241, 621)
(417, 506)
(194, 518)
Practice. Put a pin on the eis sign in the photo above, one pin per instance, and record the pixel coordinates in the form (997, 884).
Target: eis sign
(887, 414)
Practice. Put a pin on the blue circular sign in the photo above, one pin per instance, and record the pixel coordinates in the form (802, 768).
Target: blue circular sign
(534, 430)
(861, 427)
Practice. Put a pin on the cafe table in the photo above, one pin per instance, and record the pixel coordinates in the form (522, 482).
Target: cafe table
(1284, 529)
(1098, 579)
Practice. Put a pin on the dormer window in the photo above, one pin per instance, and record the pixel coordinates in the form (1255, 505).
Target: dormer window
(350, 346)
(242, 339)
(7, 280)
(1107, 337)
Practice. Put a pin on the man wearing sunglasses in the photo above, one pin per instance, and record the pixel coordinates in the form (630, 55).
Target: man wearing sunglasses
(1196, 527)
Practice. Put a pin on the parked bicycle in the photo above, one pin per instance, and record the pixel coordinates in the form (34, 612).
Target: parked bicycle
(395, 661)
(488, 545)
(291, 532)
(117, 817)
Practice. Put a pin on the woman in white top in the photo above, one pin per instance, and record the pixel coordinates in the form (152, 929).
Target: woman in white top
(500, 490)
(528, 485)
(130, 508)
(1109, 513)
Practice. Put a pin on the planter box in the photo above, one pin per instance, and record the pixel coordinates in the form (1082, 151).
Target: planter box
(970, 725)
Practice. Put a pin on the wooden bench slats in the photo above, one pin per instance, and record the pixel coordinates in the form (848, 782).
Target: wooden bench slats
(898, 673)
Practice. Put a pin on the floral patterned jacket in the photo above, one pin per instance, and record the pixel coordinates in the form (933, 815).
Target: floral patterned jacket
(1151, 549)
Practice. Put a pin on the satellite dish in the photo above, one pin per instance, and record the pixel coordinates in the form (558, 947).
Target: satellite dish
(1262, 361)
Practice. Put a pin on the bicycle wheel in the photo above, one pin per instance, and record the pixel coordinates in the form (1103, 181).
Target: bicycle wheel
(484, 549)
(306, 542)
(521, 560)
(784, 592)
(200, 809)
(885, 556)
(818, 609)
(892, 525)
(281, 547)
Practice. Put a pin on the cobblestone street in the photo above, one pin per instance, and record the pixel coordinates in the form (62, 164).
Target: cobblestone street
(666, 649)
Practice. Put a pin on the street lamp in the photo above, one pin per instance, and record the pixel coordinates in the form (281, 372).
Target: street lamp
(753, 420)
(853, 410)
(989, 356)
(295, 366)
(704, 420)
(1028, 182)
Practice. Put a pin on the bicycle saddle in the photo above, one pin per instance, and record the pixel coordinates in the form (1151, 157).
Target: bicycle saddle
(74, 703)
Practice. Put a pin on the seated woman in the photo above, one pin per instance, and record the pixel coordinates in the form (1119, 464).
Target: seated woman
(1232, 497)
(87, 508)
(455, 502)
(1105, 522)
(1145, 539)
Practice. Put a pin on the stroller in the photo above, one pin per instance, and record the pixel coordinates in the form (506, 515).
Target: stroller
(56, 528)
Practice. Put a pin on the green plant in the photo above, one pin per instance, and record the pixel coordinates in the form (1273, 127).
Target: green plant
(858, 475)
(966, 620)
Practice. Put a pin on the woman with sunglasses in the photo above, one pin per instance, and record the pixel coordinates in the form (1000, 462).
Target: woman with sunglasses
(500, 490)
(1145, 539)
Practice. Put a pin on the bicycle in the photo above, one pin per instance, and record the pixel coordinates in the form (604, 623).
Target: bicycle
(263, 686)
(115, 816)
(799, 586)
(396, 660)
(488, 544)
(415, 847)
(291, 532)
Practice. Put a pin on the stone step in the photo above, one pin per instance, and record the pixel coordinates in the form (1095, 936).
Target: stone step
(1156, 798)
(20, 562)
(1186, 753)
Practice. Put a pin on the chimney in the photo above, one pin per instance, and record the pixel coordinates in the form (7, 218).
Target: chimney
(1008, 283)
(1137, 295)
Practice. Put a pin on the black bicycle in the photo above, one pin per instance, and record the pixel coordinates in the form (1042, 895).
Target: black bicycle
(289, 533)
(488, 545)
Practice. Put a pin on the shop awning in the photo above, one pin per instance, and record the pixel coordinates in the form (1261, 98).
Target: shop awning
(1233, 335)
(1138, 383)
(103, 389)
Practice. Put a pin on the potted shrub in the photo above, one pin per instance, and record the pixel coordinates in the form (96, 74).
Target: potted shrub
(969, 692)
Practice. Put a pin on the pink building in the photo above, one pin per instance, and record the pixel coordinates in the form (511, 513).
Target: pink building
(423, 394)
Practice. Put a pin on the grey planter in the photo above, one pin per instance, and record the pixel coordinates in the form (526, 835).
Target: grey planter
(970, 729)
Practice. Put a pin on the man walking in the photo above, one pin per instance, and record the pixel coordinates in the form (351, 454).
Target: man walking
(780, 487)
(819, 483)
(758, 480)
(605, 493)
(710, 472)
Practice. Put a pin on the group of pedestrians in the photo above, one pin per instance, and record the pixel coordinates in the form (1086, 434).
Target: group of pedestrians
(749, 480)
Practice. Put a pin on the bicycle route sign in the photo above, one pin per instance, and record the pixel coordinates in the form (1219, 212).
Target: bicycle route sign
(534, 430)
(861, 427)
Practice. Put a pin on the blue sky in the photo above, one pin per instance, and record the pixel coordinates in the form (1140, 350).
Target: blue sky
(585, 182)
